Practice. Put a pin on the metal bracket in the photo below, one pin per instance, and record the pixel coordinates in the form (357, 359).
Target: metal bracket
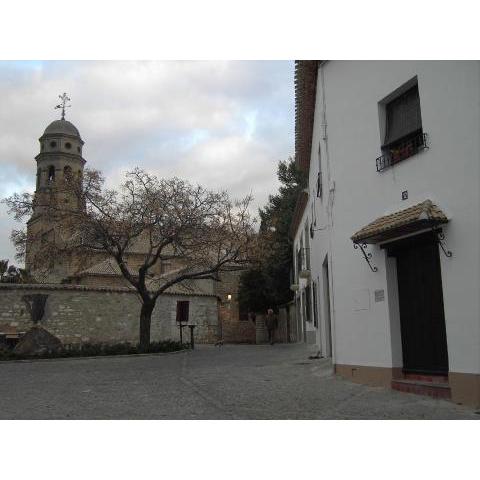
(366, 254)
(441, 241)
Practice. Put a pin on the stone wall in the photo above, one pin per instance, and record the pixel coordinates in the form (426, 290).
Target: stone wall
(84, 314)
(234, 327)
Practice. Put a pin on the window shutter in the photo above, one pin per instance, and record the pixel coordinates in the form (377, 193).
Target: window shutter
(403, 116)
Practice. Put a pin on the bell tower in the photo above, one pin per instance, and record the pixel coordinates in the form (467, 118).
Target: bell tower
(59, 161)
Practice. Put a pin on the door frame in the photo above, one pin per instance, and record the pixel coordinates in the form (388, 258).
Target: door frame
(326, 309)
(393, 250)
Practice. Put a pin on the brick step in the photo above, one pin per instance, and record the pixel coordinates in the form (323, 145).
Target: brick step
(435, 390)
(425, 378)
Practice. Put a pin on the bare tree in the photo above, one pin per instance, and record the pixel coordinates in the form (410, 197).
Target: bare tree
(205, 229)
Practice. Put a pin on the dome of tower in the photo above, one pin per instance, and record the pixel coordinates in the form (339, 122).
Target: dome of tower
(62, 127)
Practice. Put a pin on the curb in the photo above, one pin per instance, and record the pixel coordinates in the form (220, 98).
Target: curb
(128, 355)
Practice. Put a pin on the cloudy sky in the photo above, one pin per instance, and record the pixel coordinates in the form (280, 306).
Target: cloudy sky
(222, 124)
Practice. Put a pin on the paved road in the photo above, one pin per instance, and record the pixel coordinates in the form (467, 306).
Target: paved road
(231, 382)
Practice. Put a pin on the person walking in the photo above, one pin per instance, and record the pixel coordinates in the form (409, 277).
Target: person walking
(271, 322)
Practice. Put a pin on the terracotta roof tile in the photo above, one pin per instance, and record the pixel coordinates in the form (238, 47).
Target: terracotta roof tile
(110, 268)
(305, 93)
(107, 267)
(300, 206)
(423, 215)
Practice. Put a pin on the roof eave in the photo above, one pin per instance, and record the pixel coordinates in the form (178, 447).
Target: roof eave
(300, 206)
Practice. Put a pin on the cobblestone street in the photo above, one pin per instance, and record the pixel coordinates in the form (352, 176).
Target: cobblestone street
(229, 382)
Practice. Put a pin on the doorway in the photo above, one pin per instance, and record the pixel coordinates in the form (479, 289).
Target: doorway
(326, 308)
(422, 318)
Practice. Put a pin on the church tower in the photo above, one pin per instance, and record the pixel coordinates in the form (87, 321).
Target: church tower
(59, 161)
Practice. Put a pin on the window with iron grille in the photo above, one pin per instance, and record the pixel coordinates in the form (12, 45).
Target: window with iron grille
(306, 262)
(404, 135)
(319, 177)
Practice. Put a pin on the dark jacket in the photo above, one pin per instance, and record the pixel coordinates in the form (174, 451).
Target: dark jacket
(271, 321)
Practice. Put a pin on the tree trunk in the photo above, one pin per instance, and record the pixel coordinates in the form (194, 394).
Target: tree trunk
(145, 321)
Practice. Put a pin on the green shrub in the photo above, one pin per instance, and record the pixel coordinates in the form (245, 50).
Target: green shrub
(97, 349)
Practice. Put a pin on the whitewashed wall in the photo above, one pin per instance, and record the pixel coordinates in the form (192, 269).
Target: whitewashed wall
(448, 173)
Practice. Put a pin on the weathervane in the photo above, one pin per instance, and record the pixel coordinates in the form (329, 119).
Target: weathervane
(63, 105)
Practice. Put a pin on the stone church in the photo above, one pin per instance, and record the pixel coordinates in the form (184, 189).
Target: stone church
(88, 298)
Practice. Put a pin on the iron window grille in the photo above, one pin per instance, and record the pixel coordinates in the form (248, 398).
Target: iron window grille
(319, 176)
(401, 150)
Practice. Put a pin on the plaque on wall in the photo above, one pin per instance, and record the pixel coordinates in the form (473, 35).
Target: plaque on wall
(379, 295)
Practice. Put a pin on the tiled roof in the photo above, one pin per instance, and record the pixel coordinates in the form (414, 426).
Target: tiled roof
(86, 288)
(107, 267)
(110, 268)
(187, 288)
(300, 206)
(305, 93)
(423, 215)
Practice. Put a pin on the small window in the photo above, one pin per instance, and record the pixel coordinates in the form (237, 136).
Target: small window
(39, 173)
(183, 307)
(404, 135)
(78, 149)
(53, 144)
(68, 145)
(307, 246)
(51, 173)
(319, 177)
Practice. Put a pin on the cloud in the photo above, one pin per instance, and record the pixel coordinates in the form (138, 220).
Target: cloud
(223, 124)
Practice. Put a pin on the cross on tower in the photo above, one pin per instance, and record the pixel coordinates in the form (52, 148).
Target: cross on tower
(63, 105)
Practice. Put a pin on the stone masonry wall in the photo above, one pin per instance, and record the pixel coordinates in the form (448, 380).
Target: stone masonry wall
(82, 314)
(234, 329)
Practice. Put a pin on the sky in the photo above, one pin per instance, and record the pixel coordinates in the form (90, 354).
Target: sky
(222, 124)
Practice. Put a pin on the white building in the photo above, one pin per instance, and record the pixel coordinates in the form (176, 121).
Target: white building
(393, 159)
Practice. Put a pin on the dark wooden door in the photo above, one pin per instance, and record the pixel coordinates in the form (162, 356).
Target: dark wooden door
(424, 340)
